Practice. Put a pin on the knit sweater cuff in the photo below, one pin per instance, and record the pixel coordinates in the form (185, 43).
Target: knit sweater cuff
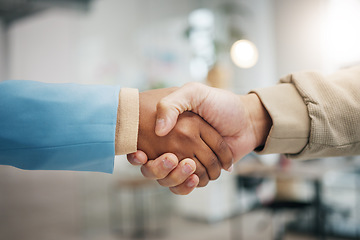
(127, 123)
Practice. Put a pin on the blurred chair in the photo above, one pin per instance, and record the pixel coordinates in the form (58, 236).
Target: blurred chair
(280, 207)
(292, 193)
(286, 201)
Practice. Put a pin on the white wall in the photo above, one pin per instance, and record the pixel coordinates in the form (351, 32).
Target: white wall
(117, 37)
(320, 35)
(103, 45)
(258, 27)
(3, 52)
(299, 31)
(43, 46)
(100, 46)
(342, 34)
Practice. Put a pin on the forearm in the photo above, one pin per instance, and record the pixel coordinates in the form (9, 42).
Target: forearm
(57, 126)
(259, 117)
(290, 121)
(333, 104)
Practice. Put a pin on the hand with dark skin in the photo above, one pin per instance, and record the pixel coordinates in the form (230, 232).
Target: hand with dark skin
(191, 138)
(241, 119)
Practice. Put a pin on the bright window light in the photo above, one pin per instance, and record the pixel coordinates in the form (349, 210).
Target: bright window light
(342, 32)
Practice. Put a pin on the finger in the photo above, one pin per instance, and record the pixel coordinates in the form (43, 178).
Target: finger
(160, 167)
(187, 186)
(186, 98)
(167, 118)
(137, 158)
(177, 176)
(218, 146)
(209, 160)
(201, 173)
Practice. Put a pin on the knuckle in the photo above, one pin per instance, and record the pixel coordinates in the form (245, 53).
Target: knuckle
(222, 146)
(153, 171)
(162, 103)
(184, 131)
(224, 153)
(215, 168)
(193, 85)
(213, 162)
(160, 174)
(170, 181)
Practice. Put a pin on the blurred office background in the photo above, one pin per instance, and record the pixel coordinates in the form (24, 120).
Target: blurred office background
(162, 43)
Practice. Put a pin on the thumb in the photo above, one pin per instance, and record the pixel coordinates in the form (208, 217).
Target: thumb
(166, 118)
(186, 98)
(137, 158)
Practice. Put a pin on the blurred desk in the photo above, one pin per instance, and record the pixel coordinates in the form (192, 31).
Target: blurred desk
(312, 170)
(308, 170)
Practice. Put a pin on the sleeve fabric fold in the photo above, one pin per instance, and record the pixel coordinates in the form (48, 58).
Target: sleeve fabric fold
(314, 115)
(58, 126)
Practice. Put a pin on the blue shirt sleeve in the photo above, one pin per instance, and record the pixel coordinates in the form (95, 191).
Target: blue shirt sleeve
(58, 126)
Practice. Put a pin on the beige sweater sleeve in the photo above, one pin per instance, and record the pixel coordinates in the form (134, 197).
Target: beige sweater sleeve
(314, 116)
(127, 123)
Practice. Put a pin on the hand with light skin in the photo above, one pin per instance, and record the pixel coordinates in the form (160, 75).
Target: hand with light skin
(242, 120)
(204, 151)
(168, 169)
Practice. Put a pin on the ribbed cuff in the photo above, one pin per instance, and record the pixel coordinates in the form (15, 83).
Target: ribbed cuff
(291, 123)
(127, 123)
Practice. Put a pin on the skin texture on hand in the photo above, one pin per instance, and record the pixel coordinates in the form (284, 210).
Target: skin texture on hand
(191, 138)
(241, 120)
(162, 169)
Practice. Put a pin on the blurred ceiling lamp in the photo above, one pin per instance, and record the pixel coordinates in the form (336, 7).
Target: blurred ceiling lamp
(201, 18)
(244, 54)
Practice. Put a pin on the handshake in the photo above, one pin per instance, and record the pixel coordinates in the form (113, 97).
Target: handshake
(191, 133)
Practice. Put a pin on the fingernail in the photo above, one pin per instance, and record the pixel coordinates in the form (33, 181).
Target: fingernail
(168, 164)
(187, 168)
(191, 183)
(231, 168)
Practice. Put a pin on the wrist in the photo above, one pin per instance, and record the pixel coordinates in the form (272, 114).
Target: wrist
(147, 113)
(148, 101)
(261, 121)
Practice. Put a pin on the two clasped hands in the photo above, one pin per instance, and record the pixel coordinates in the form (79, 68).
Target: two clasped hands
(191, 133)
(188, 133)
